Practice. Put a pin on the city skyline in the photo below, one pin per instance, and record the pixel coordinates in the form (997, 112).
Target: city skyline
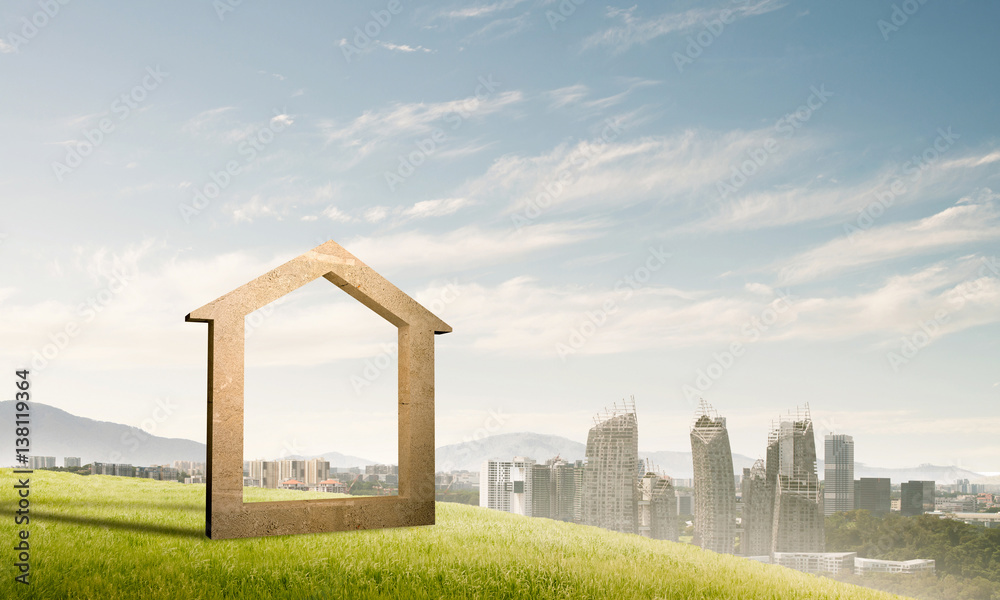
(803, 206)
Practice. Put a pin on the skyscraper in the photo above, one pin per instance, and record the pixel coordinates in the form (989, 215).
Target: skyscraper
(543, 492)
(506, 485)
(838, 474)
(791, 469)
(568, 483)
(916, 498)
(610, 486)
(316, 470)
(758, 511)
(657, 507)
(714, 485)
(873, 494)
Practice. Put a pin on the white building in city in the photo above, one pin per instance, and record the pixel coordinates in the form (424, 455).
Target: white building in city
(506, 485)
(871, 565)
(817, 562)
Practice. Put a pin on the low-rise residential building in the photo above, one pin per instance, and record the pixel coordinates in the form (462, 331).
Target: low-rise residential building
(330, 486)
(817, 562)
(988, 520)
(863, 566)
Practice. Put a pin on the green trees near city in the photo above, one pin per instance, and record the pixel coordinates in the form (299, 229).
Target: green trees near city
(967, 557)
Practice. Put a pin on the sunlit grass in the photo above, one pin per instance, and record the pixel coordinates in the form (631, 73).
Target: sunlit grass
(99, 537)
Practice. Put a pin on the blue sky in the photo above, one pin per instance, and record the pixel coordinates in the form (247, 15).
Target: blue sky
(763, 203)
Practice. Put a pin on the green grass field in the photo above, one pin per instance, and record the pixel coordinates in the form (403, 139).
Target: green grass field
(99, 538)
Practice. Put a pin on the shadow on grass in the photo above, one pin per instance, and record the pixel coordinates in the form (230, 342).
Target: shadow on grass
(141, 504)
(184, 532)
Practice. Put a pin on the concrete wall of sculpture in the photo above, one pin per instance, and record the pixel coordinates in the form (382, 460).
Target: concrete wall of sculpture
(227, 516)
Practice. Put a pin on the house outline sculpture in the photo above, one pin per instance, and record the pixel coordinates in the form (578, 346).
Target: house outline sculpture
(226, 515)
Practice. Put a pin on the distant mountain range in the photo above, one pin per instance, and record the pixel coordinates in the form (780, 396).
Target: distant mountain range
(55, 432)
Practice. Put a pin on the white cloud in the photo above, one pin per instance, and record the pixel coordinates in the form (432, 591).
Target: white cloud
(567, 95)
(467, 247)
(6, 48)
(209, 122)
(478, 10)
(973, 161)
(499, 29)
(279, 206)
(376, 214)
(436, 208)
(403, 47)
(826, 198)
(376, 127)
(637, 30)
(969, 221)
(680, 168)
(336, 215)
(537, 317)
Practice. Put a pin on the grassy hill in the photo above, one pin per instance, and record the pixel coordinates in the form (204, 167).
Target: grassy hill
(109, 537)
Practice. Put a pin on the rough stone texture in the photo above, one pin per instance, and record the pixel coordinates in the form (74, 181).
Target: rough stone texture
(227, 516)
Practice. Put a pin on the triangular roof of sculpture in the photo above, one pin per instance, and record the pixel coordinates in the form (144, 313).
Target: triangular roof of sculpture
(337, 265)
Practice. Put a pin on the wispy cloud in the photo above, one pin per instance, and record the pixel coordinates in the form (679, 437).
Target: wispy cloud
(390, 46)
(280, 206)
(499, 29)
(376, 127)
(826, 197)
(467, 247)
(680, 168)
(971, 220)
(537, 316)
(6, 48)
(632, 29)
(478, 10)
(563, 96)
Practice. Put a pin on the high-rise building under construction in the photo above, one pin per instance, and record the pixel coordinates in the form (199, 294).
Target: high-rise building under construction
(714, 485)
(758, 511)
(610, 483)
(657, 506)
(791, 470)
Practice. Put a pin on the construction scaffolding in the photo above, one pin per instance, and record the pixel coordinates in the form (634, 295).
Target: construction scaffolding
(610, 491)
(758, 511)
(791, 469)
(657, 505)
(714, 485)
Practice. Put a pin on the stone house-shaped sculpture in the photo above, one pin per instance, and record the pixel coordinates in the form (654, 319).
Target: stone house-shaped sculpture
(226, 515)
